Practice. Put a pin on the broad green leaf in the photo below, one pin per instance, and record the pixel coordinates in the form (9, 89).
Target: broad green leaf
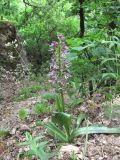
(82, 48)
(109, 75)
(53, 130)
(108, 42)
(63, 119)
(38, 138)
(71, 56)
(42, 144)
(80, 118)
(23, 143)
(94, 129)
(105, 60)
(28, 136)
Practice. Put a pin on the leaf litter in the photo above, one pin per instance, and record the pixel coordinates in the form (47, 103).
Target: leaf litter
(99, 147)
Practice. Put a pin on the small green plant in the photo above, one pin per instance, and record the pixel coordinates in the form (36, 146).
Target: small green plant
(36, 78)
(40, 108)
(36, 148)
(108, 96)
(23, 113)
(28, 92)
(73, 156)
(61, 127)
(49, 96)
(3, 132)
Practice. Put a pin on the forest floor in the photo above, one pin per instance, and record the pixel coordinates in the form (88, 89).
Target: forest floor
(99, 146)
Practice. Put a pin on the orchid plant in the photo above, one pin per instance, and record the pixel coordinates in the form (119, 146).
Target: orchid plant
(59, 72)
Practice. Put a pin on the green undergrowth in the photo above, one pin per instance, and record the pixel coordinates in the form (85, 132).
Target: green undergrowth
(28, 92)
(49, 96)
(3, 132)
(74, 102)
(40, 108)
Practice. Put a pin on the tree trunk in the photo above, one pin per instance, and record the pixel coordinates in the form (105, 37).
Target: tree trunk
(81, 14)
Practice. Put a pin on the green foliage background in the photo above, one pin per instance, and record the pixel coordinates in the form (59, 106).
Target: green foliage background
(39, 22)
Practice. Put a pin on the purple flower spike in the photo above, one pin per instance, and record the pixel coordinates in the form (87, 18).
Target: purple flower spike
(59, 69)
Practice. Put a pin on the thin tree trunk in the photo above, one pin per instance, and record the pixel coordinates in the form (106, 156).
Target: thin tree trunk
(81, 14)
(82, 31)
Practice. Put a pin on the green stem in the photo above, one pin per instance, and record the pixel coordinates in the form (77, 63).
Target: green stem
(62, 98)
(86, 143)
(59, 59)
(60, 86)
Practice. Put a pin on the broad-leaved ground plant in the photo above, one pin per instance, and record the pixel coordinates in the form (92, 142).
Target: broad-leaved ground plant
(62, 128)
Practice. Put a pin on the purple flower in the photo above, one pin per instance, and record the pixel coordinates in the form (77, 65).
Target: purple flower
(52, 73)
(51, 81)
(52, 50)
(53, 44)
(60, 37)
(64, 45)
(67, 75)
(66, 62)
